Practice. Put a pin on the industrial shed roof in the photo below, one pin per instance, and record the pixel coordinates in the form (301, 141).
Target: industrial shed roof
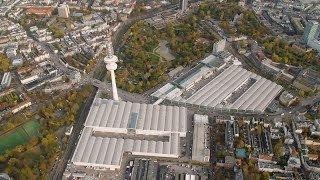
(200, 138)
(193, 75)
(257, 97)
(112, 114)
(108, 151)
(213, 61)
(105, 137)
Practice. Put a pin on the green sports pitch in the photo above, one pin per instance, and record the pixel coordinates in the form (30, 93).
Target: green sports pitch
(19, 135)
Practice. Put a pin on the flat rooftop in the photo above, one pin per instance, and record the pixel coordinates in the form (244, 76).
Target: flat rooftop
(236, 88)
(193, 75)
(119, 116)
(213, 61)
(115, 127)
(107, 152)
(200, 147)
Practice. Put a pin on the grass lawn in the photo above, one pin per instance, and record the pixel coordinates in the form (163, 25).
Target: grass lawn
(154, 57)
(31, 128)
(19, 135)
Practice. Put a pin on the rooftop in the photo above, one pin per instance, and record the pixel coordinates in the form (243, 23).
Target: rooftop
(241, 153)
(200, 150)
(115, 127)
(39, 10)
(118, 116)
(213, 61)
(230, 83)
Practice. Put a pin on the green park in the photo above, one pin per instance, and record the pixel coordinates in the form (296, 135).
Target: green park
(19, 135)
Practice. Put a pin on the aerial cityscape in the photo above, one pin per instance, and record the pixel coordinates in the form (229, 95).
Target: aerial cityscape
(160, 89)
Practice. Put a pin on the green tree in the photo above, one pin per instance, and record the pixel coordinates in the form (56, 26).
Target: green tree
(4, 63)
(259, 130)
(245, 169)
(27, 173)
(265, 176)
(275, 58)
(277, 149)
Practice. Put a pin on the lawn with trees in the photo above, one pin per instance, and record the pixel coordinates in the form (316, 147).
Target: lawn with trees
(29, 20)
(9, 100)
(218, 11)
(35, 158)
(247, 23)
(280, 51)
(56, 31)
(141, 69)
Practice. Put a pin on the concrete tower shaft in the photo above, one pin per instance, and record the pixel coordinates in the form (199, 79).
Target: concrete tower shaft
(111, 65)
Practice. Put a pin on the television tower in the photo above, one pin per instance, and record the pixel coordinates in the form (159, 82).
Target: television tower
(111, 65)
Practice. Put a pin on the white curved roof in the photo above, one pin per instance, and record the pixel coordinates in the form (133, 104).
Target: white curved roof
(112, 114)
(104, 138)
(106, 151)
(257, 97)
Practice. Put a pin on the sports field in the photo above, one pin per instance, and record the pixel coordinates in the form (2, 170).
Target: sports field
(19, 135)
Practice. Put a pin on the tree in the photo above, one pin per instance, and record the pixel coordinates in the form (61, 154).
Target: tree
(57, 32)
(12, 164)
(275, 58)
(131, 88)
(259, 130)
(277, 149)
(309, 56)
(245, 169)
(27, 173)
(302, 93)
(221, 154)
(50, 145)
(265, 176)
(240, 144)
(251, 164)
(4, 63)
